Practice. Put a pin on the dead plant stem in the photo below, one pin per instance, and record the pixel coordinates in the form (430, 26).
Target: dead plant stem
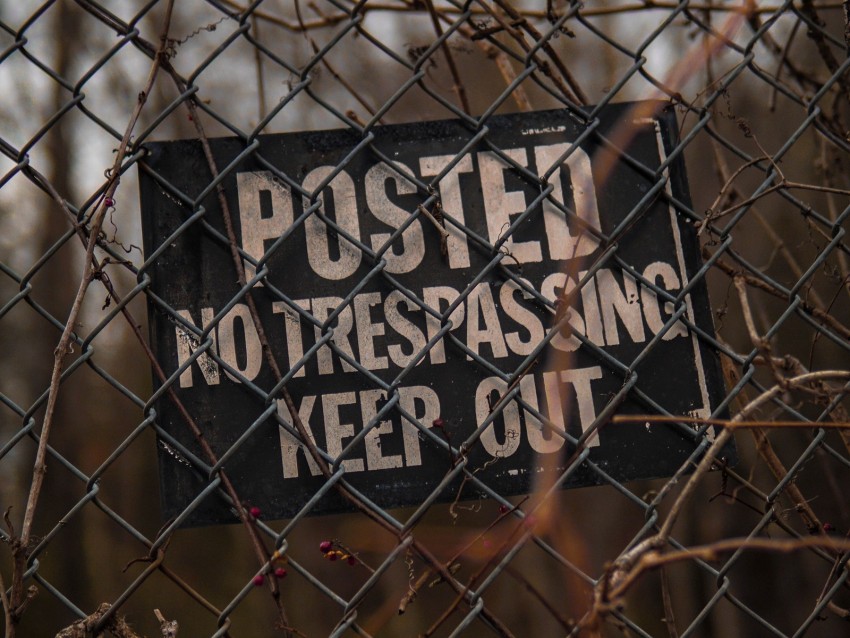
(63, 348)
(458, 86)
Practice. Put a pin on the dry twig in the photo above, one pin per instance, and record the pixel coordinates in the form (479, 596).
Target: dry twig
(21, 546)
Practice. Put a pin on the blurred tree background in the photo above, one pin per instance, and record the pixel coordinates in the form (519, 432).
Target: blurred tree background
(759, 86)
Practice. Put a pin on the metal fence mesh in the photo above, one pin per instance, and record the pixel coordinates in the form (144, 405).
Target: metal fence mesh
(760, 91)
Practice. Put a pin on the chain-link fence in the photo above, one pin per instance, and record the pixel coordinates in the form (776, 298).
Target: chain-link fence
(494, 280)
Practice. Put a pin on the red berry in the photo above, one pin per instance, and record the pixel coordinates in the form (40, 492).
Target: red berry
(352, 560)
(109, 201)
(280, 572)
(325, 546)
(828, 527)
(256, 512)
(439, 423)
(258, 580)
(332, 555)
(504, 509)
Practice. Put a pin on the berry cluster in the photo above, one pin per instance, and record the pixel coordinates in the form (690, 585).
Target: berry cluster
(278, 572)
(333, 554)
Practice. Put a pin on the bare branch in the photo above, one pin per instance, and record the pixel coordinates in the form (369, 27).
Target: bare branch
(63, 348)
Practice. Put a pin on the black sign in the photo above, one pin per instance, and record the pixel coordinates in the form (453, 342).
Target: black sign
(354, 287)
